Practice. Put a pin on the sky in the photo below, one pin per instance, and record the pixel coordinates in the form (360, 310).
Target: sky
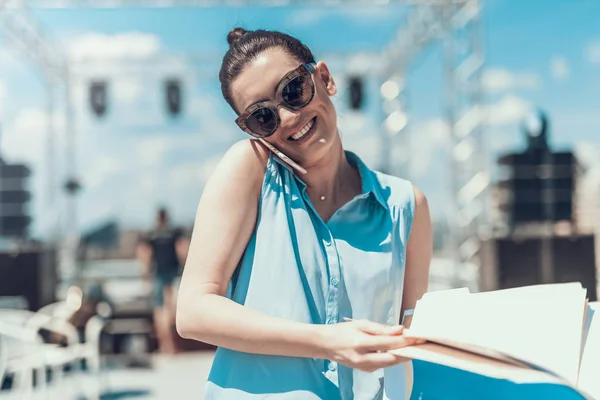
(538, 55)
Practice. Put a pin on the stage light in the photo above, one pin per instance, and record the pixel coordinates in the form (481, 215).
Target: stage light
(356, 92)
(98, 97)
(396, 122)
(390, 89)
(173, 96)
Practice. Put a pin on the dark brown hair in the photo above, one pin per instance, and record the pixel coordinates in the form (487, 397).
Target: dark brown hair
(245, 46)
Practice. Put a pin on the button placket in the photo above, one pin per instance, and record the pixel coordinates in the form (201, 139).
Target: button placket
(334, 274)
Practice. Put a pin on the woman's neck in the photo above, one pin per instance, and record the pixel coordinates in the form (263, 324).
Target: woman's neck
(333, 180)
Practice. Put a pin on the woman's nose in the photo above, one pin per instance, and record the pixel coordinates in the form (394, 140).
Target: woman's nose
(287, 117)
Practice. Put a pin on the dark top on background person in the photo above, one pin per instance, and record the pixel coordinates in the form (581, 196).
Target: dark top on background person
(162, 241)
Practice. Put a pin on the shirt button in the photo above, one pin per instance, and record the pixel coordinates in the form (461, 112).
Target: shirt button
(331, 366)
(334, 282)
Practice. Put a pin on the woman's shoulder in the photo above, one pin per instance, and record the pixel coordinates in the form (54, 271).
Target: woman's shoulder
(247, 152)
(247, 155)
(399, 192)
(244, 163)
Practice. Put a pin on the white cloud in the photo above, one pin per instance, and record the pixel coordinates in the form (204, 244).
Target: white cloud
(128, 90)
(502, 79)
(559, 68)
(306, 17)
(592, 52)
(369, 13)
(509, 109)
(24, 139)
(426, 141)
(357, 14)
(131, 45)
(102, 169)
(152, 151)
(361, 63)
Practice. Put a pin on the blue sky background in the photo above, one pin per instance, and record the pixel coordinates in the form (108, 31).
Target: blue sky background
(538, 54)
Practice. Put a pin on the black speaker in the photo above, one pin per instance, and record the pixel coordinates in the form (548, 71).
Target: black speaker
(30, 274)
(14, 199)
(98, 98)
(356, 92)
(508, 262)
(173, 96)
(535, 177)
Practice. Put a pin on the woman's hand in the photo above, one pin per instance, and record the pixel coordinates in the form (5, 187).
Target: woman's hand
(364, 345)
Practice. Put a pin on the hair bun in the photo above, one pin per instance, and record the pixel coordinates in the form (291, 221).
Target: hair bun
(235, 34)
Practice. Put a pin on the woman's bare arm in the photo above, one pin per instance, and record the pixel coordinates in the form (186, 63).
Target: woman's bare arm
(418, 256)
(225, 220)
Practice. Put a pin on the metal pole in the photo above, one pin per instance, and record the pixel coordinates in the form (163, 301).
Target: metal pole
(70, 152)
(52, 219)
(69, 271)
(546, 256)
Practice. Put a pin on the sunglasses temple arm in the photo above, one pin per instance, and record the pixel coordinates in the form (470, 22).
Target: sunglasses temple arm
(283, 157)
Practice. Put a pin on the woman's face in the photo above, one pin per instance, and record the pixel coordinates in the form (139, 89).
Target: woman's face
(258, 82)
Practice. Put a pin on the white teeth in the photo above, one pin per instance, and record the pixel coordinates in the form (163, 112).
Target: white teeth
(303, 131)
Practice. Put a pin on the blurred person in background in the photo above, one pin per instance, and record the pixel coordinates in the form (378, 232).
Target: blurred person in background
(303, 260)
(162, 253)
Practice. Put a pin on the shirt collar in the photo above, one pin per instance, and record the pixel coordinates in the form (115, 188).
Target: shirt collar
(369, 179)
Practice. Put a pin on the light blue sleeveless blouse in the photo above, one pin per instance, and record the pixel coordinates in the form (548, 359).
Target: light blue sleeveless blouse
(298, 267)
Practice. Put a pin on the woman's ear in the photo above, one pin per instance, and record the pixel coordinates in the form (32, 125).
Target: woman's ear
(323, 73)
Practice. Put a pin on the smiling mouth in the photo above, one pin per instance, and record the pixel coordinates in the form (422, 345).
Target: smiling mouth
(305, 131)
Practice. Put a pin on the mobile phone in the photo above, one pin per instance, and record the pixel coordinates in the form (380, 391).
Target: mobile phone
(283, 157)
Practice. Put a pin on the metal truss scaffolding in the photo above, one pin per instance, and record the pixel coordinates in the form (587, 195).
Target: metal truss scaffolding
(470, 178)
(457, 25)
(453, 23)
(21, 30)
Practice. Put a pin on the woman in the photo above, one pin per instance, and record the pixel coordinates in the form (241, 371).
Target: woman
(300, 279)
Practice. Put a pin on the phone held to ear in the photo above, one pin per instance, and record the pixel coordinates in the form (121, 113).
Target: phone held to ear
(283, 157)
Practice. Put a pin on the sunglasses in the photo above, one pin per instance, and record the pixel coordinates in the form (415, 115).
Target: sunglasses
(294, 92)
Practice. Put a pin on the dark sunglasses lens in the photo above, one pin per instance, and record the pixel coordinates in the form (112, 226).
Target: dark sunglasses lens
(298, 92)
(263, 122)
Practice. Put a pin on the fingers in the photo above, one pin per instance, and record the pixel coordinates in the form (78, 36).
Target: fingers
(374, 328)
(408, 334)
(373, 361)
(385, 343)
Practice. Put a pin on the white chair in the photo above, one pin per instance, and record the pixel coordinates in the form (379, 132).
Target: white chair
(28, 354)
(23, 352)
(87, 349)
